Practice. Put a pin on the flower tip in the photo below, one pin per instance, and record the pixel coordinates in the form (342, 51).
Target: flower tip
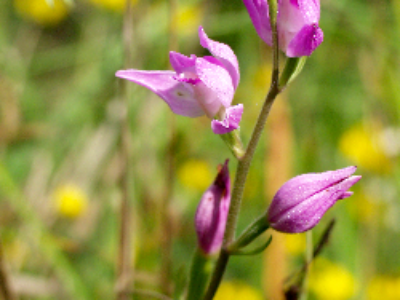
(224, 168)
(223, 174)
(354, 179)
(345, 172)
(346, 195)
(203, 37)
(124, 74)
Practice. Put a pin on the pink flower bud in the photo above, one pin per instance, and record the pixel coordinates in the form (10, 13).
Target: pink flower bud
(212, 212)
(301, 202)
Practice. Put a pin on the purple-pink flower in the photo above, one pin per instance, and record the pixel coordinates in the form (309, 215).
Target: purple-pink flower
(301, 202)
(297, 23)
(198, 85)
(212, 213)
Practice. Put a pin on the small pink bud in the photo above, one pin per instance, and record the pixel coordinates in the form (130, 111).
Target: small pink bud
(212, 212)
(301, 202)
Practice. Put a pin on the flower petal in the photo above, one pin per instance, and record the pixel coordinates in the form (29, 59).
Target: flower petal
(224, 53)
(216, 78)
(259, 15)
(305, 41)
(310, 10)
(178, 95)
(233, 115)
(182, 63)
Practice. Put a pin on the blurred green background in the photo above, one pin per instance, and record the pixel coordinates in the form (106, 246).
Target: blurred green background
(60, 121)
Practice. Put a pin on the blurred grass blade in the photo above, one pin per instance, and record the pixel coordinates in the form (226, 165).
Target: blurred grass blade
(180, 283)
(62, 267)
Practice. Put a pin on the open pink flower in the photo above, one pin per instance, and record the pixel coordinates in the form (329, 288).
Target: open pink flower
(212, 212)
(297, 23)
(301, 202)
(198, 85)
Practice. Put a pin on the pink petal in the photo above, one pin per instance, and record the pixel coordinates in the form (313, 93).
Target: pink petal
(310, 10)
(182, 63)
(216, 78)
(233, 115)
(178, 95)
(259, 15)
(224, 53)
(305, 41)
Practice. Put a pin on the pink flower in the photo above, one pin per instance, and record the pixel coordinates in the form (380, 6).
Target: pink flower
(212, 213)
(297, 23)
(198, 85)
(301, 202)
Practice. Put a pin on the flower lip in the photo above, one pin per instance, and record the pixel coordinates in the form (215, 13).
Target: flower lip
(192, 81)
(230, 122)
(306, 186)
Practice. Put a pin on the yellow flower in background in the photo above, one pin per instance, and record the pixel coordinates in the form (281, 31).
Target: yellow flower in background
(196, 174)
(188, 18)
(384, 287)
(362, 146)
(71, 201)
(330, 281)
(42, 12)
(262, 76)
(114, 5)
(237, 291)
(295, 244)
(364, 208)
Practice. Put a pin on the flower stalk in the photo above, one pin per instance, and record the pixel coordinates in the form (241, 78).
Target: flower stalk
(244, 165)
(234, 143)
(255, 229)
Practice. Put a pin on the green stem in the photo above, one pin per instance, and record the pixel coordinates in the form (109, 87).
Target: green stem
(244, 164)
(292, 69)
(254, 230)
(200, 272)
(309, 258)
(234, 143)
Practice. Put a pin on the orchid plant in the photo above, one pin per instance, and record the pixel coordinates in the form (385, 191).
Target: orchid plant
(205, 86)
